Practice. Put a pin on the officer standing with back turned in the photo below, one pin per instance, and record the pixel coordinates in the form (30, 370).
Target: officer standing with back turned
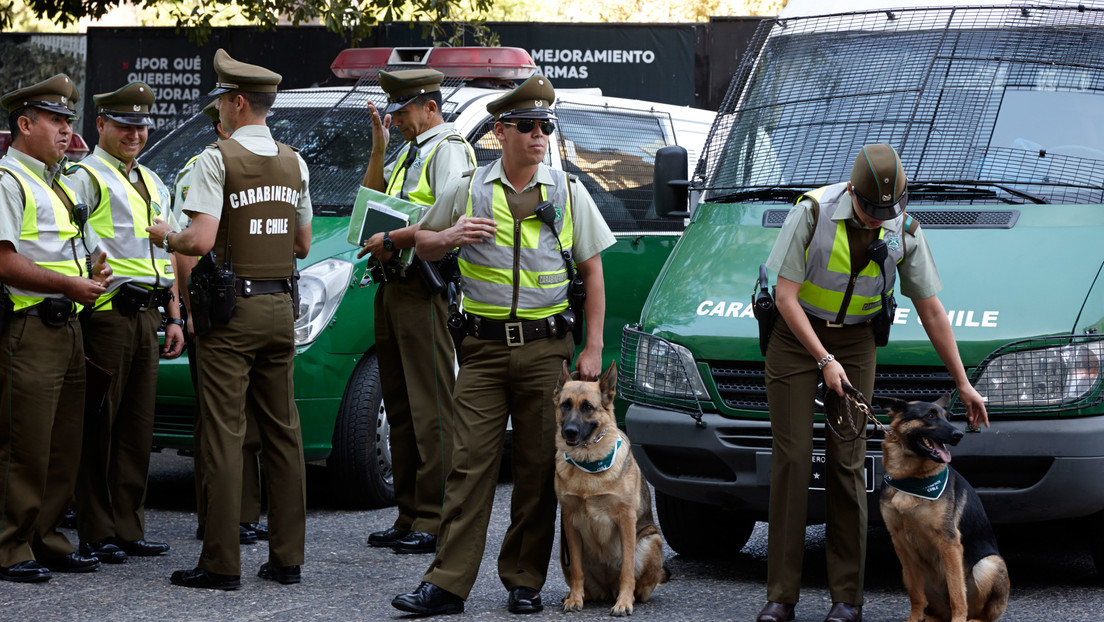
(250, 206)
(413, 346)
(120, 330)
(45, 276)
(511, 219)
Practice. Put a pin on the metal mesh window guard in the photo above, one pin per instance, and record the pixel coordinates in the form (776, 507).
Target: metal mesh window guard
(984, 105)
(1042, 374)
(655, 373)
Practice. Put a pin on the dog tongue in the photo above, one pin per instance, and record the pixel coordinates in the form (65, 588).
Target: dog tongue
(941, 451)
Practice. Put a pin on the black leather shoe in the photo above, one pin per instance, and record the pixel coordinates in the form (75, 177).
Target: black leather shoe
(246, 535)
(524, 600)
(73, 562)
(141, 548)
(204, 579)
(776, 612)
(279, 574)
(29, 571)
(258, 530)
(416, 542)
(842, 612)
(387, 537)
(200, 532)
(105, 551)
(429, 600)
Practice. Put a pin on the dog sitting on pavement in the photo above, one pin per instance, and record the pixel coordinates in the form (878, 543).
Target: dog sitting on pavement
(949, 559)
(610, 546)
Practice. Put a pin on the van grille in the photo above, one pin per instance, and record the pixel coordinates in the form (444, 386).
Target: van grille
(742, 386)
(933, 218)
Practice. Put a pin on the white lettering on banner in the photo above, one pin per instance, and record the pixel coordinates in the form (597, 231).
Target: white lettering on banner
(958, 317)
(176, 82)
(569, 63)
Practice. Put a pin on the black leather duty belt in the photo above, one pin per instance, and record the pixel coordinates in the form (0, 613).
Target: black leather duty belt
(250, 287)
(518, 332)
(819, 321)
(54, 311)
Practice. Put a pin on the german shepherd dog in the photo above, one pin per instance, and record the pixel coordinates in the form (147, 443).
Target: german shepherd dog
(949, 559)
(613, 547)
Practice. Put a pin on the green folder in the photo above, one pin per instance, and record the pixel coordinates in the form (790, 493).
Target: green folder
(375, 211)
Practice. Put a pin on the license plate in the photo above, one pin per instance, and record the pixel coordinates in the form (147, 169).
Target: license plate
(817, 479)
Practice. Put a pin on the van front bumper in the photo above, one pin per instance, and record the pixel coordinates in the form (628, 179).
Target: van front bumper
(1024, 470)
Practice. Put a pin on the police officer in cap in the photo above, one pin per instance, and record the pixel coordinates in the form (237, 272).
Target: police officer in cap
(413, 345)
(120, 331)
(249, 203)
(46, 280)
(817, 336)
(517, 343)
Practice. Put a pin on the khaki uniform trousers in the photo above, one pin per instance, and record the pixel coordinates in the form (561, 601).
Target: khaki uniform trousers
(251, 452)
(417, 362)
(498, 382)
(41, 409)
(118, 437)
(792, 378)
(249, 361)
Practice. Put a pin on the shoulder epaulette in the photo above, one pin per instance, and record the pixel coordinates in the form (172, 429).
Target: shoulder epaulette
(911, 225)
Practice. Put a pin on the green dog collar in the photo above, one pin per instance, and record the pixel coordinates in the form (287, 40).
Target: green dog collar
(925, 487)
(598, 465)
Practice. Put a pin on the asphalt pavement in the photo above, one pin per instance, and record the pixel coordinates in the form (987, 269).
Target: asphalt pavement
(343, 579)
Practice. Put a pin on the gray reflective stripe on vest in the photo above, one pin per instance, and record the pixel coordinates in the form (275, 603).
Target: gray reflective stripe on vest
(123, 241)
(545, 258)
(53, 245)
(819, 255)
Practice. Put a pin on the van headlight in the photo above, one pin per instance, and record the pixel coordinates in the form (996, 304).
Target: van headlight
(1064, 376)
(660, 368)
(321, 287)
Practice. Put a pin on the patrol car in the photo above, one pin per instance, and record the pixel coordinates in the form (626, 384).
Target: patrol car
(609, 143)
(998, 115)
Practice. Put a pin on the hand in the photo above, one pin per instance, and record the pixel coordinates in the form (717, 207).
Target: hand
(374, 245)
(468, 231)
(834, 377)
(381, 129)
(101, 271)
(85, 291)
(157, 231)
(174, 342)
(975, 406)
(589, 364)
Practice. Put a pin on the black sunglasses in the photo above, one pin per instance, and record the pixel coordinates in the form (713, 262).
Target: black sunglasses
(526, 125)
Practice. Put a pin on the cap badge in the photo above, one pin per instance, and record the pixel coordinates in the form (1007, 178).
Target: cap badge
(887, 197)
(137, 108)
(539, 103)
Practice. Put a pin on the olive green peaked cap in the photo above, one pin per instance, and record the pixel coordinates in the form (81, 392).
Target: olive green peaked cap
(129, 105)
(404, 86)
(211, 110)
(532, 99)
(878, 179)
(57, 94)
(236, 75)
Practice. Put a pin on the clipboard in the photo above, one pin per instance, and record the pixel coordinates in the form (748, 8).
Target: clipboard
(375, 211)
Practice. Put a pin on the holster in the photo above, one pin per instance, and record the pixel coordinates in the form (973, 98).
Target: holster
(883, 321)
(430, 276)
(764, 309)
(212, 292)
(576, 296)
(295, 291)
(132, 298)
(457, 326)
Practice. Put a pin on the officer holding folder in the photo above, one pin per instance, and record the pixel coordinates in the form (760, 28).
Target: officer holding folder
(413, 346)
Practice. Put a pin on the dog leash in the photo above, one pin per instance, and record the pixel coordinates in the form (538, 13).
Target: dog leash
(836, 414)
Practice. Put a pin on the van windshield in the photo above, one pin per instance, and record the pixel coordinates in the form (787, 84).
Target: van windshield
(997, 105)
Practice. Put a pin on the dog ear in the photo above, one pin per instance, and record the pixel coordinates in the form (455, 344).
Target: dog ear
(565, 377)
(607, 384)
(944, 401)
(892, 404)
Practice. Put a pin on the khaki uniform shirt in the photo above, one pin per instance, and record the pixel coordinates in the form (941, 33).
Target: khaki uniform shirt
(205, 194)
(449, 160)
(919, 277)
(11, 194)
(591, 233)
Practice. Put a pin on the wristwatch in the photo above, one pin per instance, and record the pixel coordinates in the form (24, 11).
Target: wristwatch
(388, 245)
(165, 242)
(175, 320)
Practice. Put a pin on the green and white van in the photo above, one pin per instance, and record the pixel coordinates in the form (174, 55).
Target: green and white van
(997, 112)
(610, 143)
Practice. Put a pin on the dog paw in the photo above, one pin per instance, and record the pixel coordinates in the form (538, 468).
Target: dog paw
(572, 603)
(621, 609)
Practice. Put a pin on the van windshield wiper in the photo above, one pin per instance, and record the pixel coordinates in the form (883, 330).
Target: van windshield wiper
(758, 194)
(958, 188)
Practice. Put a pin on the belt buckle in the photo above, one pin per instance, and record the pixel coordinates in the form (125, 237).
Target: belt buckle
(511, 340)
(833, 324)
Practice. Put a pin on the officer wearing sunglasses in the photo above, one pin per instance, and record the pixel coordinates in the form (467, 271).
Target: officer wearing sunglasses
(518, 321)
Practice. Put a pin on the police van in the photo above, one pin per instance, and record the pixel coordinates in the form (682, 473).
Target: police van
(609, 143)
(997, 112)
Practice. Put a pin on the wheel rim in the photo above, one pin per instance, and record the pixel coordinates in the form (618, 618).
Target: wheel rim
(383, 445)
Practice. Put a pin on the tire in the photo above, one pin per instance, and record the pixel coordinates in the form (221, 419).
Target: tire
(1092, 528)
(359, 467)
(700, 530)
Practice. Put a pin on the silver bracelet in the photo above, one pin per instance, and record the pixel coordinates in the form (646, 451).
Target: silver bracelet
(824, 361)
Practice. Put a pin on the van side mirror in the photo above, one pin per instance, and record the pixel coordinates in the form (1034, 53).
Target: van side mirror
(671, 186)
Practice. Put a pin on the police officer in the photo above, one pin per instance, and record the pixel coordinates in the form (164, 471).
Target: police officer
(249, 203)
(413, 346)
(825, 329)
(251, 529)
(120, 331)
(515, 349)
(45, 275)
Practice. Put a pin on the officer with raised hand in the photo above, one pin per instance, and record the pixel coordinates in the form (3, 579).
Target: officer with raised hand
(250, 206)
(413, 346)
(828, 293)
(120, 330)
(46, 280)
(516, 285)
